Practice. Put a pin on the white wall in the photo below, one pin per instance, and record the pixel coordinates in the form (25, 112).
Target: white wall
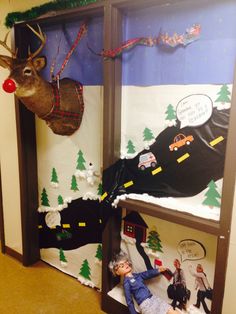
(10, 171)
(8, 141)
(230, 292)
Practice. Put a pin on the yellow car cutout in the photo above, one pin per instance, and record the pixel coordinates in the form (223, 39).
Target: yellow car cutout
(179, 141)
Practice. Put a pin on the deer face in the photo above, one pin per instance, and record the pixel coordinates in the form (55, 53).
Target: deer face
(24, 76)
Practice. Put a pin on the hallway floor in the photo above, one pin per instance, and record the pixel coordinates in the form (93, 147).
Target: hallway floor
(41, 289)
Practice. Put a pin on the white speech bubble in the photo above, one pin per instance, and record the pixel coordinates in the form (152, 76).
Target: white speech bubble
(194, 110)
(191, 250)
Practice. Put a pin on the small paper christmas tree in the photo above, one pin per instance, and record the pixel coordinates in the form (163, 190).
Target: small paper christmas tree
(170, 115)
(74, 185)
(154, 242)
(130, 147)
(80, 161)
(60, 200)
(99, 252)
(147, 135)
(62, 256)
(212, 195)
(44, 198)
(85, 270)
(223, 95)
(54, 177)
(99, 190)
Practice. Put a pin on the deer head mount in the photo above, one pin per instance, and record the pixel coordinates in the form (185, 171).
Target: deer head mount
(59, 103)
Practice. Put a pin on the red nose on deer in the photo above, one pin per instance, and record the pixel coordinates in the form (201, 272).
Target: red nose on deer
(9, 86)
(60, 105)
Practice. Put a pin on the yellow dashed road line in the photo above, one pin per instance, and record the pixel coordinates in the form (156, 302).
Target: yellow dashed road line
(65, 226)
(216, 141)
(127, 184)
(82, 224)
(157, 170)
(104, 195)
(182, 158)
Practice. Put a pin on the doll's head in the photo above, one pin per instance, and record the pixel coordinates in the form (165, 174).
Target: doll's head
(120, 264)
(199, 268)
(177, 263)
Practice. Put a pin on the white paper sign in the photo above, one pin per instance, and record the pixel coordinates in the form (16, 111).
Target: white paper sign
(194, 110)
(191, 250)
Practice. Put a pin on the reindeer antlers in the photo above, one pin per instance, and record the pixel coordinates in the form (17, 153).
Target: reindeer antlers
(39, 34)
(42, 37)
(4, 44)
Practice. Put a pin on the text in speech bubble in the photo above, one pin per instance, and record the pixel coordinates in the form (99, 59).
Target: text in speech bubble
(194, 110)
(191, 250)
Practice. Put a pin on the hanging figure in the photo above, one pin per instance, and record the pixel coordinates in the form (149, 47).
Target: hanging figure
(201, 284)
(134, 287)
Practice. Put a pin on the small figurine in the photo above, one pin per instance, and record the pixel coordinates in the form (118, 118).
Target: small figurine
(90, 175)
(134, 287)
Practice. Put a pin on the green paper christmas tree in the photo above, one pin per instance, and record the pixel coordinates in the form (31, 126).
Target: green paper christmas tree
(62, 256)
(60, 200)
(212, 195)
(54, 177)
(85, 270)
(80, 161)
(170, 113)
(147, 135)
(99, 252)
(44, 198)
(99, 190)
(130, 147)
(154, 242)
(223, 95)
(74, 185)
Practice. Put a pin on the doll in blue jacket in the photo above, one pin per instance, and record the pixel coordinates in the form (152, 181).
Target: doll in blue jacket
(134, 287)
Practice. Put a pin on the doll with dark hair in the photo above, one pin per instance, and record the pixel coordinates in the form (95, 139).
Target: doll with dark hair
(134, 287)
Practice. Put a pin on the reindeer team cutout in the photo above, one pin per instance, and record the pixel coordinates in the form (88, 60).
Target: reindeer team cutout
(59, 103)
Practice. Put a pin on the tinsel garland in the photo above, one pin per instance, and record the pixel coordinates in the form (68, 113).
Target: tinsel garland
(37, 11)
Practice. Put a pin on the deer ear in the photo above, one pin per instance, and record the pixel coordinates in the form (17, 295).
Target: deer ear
(39, 63)
(5, 62)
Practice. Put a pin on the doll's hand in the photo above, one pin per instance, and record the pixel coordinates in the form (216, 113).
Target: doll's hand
(161, 269)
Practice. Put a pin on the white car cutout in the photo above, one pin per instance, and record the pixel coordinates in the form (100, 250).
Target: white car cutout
(147, 160)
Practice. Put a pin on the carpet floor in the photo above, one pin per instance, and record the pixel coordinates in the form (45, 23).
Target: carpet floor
(42, 289)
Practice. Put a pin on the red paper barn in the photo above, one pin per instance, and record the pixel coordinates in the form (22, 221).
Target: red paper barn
(135, 227)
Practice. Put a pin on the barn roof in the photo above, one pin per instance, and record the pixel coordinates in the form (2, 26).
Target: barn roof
(135, 218)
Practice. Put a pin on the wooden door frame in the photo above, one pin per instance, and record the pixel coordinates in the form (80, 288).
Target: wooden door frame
(26, 138)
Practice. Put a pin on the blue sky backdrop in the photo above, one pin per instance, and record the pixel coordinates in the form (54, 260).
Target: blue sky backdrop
(209, 60)
(83, 65)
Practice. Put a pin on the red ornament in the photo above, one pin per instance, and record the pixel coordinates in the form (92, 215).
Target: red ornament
(9, 86)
